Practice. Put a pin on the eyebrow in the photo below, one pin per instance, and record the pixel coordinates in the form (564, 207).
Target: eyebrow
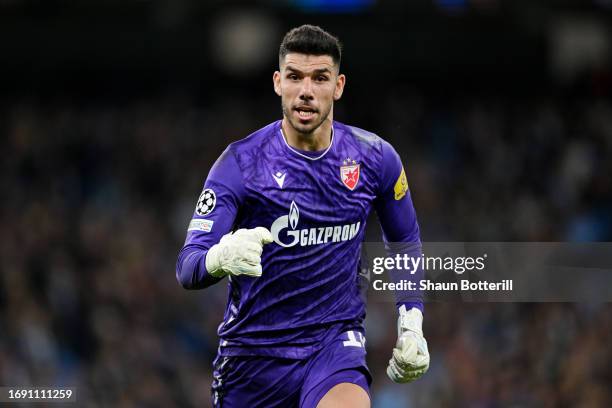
(316, 71)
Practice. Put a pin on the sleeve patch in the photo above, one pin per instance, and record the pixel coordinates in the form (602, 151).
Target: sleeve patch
(206, 202)
(200, 225)
(401, 186)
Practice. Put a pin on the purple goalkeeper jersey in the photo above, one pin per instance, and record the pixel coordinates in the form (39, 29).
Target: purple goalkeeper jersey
(316, 205)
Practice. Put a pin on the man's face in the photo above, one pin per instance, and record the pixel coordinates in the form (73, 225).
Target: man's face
(308, 86)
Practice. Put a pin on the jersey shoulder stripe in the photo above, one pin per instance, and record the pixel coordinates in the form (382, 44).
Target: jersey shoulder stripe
(362, 136)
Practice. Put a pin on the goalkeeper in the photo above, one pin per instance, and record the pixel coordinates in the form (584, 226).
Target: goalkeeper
(282, 216)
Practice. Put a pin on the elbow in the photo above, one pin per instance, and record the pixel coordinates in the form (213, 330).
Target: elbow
(184, 279)
(190, 271)
(187, 268)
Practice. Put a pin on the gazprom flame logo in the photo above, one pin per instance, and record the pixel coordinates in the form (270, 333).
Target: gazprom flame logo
(294, 215)
(309, 236)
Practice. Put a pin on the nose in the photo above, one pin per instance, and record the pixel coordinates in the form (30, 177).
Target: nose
(306, 91)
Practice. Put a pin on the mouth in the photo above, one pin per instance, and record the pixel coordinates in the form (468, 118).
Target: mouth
(305, 112)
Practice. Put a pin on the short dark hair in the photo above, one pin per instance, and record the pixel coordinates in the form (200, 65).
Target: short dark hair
(313, 40)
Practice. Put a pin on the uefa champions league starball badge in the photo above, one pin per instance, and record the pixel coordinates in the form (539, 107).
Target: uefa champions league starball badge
(206, 202)
(349, 173)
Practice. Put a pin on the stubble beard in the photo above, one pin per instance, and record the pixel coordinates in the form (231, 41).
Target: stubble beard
(304, 130)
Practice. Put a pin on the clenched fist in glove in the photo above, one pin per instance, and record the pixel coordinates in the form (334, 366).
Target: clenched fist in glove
(238, 253)
(410, 356)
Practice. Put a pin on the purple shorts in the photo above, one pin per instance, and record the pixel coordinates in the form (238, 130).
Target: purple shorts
(278, 382)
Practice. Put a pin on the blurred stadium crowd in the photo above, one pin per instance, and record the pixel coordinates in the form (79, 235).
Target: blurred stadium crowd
(96, 199)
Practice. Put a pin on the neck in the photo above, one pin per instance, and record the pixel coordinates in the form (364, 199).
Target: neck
(317, 140)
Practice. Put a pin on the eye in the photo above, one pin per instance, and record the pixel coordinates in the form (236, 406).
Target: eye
(292, 77)
(322, 78)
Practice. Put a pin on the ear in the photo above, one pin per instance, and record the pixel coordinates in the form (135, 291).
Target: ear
(340, 81)
(276, 79)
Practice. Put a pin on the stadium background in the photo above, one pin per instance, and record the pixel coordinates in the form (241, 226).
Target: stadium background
(113, 112)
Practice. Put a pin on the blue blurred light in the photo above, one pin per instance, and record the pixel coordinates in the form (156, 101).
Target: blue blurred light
(334, 6)
(452, 4)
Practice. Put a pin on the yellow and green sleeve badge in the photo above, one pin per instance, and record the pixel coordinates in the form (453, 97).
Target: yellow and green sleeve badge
(401, 185)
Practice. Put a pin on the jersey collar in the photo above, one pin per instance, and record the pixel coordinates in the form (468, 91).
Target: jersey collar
(303, 153)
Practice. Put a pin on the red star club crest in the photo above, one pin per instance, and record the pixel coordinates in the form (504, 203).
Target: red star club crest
(349, 173)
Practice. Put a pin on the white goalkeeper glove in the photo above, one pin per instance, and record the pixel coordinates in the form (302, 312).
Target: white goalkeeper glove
(238, 253)
(410, 356)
